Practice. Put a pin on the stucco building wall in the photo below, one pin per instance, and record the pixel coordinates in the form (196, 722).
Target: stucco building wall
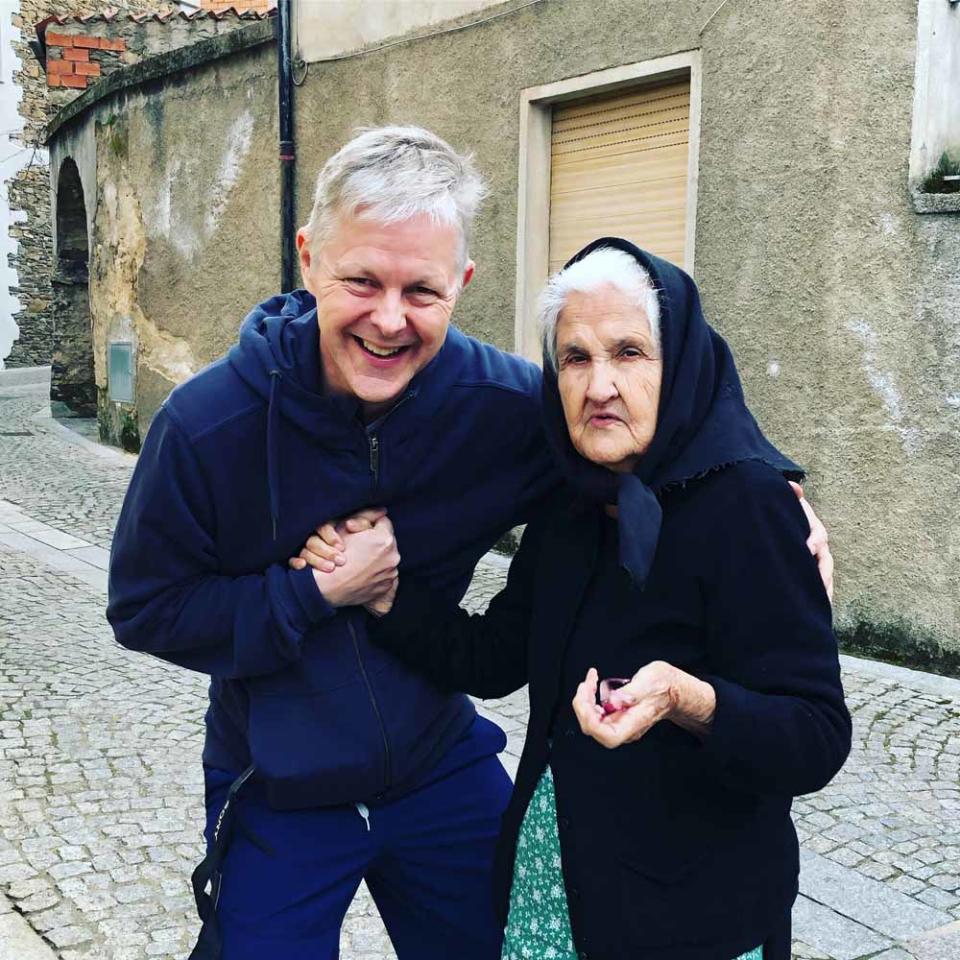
(841, 303)
(330, 28)
(182, 189)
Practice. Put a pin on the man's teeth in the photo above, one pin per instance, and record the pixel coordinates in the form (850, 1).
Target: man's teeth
(380, 351)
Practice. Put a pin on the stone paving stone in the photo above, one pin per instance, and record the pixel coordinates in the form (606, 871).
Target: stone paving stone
(51, 536)
(833, 935)
(941, 899)
(95, 556)
(18, 941)
(875, 905)
(803, 951)
(939, 945)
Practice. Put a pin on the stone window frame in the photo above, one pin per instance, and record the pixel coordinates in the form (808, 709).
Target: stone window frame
(921, 163)
(533, 201)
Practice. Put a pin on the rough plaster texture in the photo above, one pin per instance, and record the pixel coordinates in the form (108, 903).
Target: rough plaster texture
(327, 29)
(185, 221)
(810, 256)
(841, 303)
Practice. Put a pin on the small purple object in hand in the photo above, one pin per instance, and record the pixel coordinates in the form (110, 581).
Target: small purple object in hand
(606, 688)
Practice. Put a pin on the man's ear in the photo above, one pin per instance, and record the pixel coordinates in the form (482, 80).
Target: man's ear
(468, 272)
(303, 247)
(304, 253)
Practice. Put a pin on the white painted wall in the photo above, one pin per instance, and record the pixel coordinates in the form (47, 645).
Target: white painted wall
(324, 28)
(13, 157)
(936, 106)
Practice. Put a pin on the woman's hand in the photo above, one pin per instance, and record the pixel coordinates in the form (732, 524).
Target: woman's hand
(324, 550)
(656, 692)
(368, 575)
(817, 542)
(381, 606)
(646, 700)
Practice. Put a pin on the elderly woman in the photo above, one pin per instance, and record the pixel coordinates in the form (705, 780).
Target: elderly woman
(656, 825)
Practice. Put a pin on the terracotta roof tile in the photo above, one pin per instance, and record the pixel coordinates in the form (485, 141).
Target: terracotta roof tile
(109, 16)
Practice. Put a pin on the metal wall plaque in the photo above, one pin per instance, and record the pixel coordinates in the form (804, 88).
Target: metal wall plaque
(120, 372)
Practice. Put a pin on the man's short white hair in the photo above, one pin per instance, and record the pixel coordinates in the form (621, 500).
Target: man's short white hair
(391, 174)
(605, 265)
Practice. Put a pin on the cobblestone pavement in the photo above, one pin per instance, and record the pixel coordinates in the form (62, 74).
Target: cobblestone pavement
(100, 792)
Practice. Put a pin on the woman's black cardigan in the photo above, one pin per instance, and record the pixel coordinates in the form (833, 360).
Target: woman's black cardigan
(672, 848)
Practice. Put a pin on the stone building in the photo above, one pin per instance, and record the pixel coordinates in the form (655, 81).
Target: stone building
(78, 52)
(14, 156)
(148, 27)
(796, 158)
(28, 190)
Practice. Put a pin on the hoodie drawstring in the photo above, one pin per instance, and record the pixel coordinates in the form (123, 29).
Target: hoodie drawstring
(273, 454)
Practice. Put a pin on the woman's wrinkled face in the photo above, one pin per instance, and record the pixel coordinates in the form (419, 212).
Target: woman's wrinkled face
(609, 372)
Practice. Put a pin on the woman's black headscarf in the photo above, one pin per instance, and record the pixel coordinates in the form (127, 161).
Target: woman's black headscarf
(703, 422)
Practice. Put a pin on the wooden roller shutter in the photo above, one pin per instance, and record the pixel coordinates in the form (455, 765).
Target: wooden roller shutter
(619, 168)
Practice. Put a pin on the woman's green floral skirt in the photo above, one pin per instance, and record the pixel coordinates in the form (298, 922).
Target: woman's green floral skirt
(538, 927)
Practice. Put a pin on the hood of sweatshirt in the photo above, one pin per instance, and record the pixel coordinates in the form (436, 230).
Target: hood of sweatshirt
(278, 356)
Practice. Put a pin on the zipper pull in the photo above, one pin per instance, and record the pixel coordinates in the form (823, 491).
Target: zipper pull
(375, 457)
(364, 812)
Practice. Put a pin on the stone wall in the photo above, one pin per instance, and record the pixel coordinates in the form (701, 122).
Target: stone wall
(84, 48)
(186, 216)
(29, 190)
(79, 49)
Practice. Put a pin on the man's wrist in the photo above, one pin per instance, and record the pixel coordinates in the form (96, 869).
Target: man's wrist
(327, 587)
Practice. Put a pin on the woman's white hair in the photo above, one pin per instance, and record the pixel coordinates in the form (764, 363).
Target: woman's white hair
(605, 265)
(394, 174)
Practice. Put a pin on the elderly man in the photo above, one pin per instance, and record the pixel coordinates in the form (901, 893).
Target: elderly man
(326, 760)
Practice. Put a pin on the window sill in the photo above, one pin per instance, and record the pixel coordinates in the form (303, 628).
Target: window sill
(935, 202)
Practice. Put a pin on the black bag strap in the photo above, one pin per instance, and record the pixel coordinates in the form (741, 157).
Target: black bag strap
(210, 942)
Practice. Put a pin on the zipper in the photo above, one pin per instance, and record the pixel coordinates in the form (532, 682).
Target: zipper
(375, 458)
(376, 708)
(373, 441)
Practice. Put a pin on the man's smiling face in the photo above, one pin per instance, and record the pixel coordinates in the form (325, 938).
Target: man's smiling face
(385, 293)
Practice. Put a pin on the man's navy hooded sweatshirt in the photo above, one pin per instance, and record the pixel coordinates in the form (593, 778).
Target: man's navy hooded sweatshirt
(239, 467)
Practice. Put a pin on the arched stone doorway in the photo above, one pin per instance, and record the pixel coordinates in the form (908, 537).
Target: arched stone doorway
(72, 381)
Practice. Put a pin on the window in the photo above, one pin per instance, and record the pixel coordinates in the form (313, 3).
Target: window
(936, 108)
(615, 153)
(618, 166)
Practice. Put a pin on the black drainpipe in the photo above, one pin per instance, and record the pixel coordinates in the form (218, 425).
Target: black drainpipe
(287, 155)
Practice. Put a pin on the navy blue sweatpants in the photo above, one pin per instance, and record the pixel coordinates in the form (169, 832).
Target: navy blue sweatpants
(426, 858)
